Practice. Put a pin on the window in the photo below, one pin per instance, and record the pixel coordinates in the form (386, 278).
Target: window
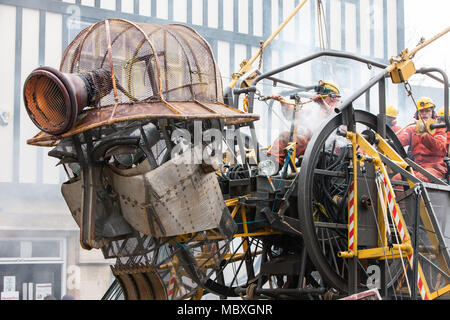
(30, 249)
(9, 249)
(42, 249)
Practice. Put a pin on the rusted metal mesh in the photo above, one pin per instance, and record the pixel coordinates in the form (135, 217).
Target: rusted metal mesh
(148, 61)
(154, 72)
(157, 72)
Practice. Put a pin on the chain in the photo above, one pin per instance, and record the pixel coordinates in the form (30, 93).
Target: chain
(261, 50)
(410, 94)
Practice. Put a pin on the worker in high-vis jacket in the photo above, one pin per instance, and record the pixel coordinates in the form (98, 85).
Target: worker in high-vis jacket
(327, 97)
(428, 147)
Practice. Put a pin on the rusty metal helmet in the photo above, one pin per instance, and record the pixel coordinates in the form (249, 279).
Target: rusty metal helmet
(117, 70)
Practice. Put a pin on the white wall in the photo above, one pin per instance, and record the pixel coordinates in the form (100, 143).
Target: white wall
(7, 64)
(30, 56)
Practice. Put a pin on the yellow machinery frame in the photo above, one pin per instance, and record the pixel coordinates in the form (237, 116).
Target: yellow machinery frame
(403, 249)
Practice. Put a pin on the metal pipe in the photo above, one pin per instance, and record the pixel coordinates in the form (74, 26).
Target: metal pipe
(299, 291)
(347, 102)
(286, 291)
(427, 42)
(416, 240)
(329, 53)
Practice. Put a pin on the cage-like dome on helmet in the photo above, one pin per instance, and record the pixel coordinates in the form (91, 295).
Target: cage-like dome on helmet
(153, 72)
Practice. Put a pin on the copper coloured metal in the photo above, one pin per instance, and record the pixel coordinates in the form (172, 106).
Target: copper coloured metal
(53, 99)
(156, 72)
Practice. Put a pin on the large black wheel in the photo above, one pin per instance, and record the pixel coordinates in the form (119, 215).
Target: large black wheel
(240, 268)
(324, 182)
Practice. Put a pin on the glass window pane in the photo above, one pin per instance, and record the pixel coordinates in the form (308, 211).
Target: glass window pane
(45, 249)
(9, 249)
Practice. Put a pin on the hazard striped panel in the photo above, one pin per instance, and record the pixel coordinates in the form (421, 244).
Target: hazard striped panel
(396, 215)
(351, 218)
(170, 289)
(421, 286)
(401, 230)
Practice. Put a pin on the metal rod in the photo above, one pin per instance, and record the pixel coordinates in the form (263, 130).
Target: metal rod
(329, 53)
(278, 291)
(381, 121)
(425, 43)
(416, 240)
(347, 102)
(302, 291)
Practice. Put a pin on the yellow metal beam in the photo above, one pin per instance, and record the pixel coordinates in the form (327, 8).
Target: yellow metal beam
(379, 253)
(440, 292)
(255, 234)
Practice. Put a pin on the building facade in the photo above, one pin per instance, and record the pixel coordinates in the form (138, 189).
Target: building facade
(39, 241)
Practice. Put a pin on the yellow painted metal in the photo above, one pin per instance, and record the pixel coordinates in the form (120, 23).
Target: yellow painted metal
(382, 239)
(401, 67)
(198, 294)
(389, 152)
(424, 282)
(255, 234)
(440, 292)
(353, 138)
(235, 210)
(231, 202)
(398, 251)
(346, 254)
(428, 226)
(234, 201)
(424, 214)
(244, 219)
(241, 208)
(403, 71)
(245, 227)
(377, 253)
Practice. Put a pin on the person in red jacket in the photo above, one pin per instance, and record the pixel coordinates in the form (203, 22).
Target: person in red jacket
(428, 149)
(441, 119)
(327, 97)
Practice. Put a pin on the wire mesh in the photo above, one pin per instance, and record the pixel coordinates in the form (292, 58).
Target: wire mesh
(144, 57)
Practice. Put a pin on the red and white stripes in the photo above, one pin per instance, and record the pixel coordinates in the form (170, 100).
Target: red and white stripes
(395, 215)
(351, 218)
(421, 286)
(171, 288)
(400, 227)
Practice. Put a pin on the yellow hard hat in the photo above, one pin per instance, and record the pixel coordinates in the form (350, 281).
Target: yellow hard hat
(441, 112)
(424, 103)
(327, 87)
(391, 111)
